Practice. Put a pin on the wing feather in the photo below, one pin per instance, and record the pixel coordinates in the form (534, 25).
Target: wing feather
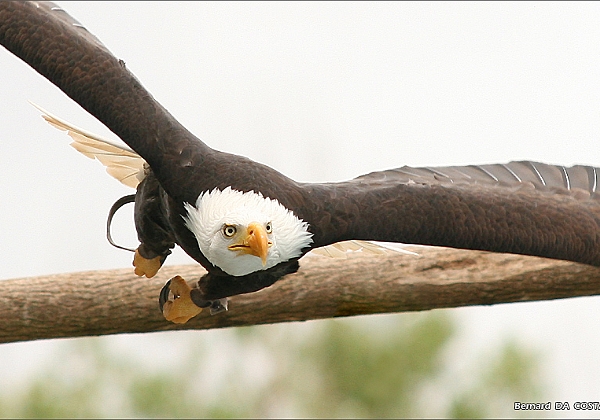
(121, 162)
(344, 248)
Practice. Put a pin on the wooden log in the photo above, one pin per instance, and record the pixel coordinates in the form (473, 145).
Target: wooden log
(117, 301)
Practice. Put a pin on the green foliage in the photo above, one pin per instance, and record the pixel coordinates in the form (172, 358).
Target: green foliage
(377, 366)
(374, 375)
(511, 376)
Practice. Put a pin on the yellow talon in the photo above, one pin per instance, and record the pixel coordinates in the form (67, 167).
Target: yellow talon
(145, 267)
(181, 309)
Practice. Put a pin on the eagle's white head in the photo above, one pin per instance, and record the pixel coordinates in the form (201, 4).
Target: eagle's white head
(245, 232)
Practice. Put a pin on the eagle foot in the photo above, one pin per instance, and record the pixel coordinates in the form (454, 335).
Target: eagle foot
(146, 267)
(176, 303)
(218, 306)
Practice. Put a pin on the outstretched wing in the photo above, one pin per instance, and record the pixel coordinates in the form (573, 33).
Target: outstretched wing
(62, 50)
(577, 180)
(121, 162)
(519, 207)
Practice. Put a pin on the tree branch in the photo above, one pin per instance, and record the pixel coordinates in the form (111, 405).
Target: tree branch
(116, 301)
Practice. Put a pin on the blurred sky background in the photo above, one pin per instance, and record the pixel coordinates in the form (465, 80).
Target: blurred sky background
(320, 92)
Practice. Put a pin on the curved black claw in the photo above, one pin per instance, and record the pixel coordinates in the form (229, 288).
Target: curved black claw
(163, 297)
(218, 306)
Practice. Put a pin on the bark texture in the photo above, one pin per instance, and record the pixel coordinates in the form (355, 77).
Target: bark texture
(117, 301)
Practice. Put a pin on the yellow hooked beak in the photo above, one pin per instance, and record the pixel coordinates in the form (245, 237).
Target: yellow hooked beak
(255, 241)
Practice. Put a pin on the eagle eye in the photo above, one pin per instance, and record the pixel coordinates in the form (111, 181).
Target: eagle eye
(269, 228)
(229, 230)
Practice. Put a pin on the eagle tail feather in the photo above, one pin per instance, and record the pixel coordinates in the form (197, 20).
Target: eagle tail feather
(121, 162)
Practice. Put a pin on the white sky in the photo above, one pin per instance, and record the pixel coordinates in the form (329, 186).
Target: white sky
(321, 92)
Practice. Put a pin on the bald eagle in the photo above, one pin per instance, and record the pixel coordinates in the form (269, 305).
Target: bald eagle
(248, 224)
